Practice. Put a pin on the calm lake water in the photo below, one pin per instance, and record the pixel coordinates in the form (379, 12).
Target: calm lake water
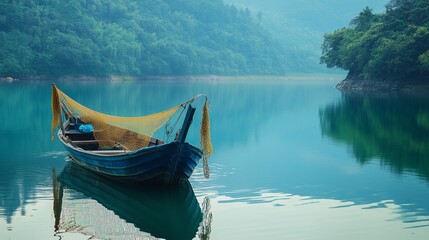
(294, 159)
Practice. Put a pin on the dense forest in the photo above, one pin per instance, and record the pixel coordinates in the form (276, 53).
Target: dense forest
(133, 37)
(391, 46)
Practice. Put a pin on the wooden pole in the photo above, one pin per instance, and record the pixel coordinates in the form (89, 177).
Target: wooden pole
(186, 124)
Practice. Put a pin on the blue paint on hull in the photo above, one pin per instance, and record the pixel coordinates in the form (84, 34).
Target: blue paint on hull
(170, 163)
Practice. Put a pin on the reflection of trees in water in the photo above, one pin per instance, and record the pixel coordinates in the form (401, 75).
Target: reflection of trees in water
(206, 224)
(19, 187)
(25, 118)
(393, 129)
(57, 192)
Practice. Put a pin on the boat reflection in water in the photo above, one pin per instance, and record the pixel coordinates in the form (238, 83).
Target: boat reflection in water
(122, 210)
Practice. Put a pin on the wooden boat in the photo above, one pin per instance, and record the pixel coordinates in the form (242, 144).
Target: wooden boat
(159, 162)
(164, 212)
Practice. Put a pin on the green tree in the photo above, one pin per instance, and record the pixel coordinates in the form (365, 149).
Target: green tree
(389, 46)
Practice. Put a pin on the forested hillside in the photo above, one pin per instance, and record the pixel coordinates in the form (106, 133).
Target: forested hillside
(133, 37)
(391, 46)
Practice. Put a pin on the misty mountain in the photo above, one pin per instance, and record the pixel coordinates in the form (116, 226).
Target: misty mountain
(134, 37)
(301, 25)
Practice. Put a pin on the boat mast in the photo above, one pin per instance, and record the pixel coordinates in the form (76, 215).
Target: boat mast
(186, 124)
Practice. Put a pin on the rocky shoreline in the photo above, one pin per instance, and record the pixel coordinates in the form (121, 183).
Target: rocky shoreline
(359, 85)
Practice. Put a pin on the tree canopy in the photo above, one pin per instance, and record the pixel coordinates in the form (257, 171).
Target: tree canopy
(133, 37)
(389, 46)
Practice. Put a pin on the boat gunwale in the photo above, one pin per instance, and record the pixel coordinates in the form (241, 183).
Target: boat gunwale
(133, 153)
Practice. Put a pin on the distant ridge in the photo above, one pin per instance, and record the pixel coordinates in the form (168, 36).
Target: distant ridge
(134, 38)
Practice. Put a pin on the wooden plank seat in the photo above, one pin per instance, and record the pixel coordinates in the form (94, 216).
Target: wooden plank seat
(79, 136)
(153, 141)
(109, 152)
(80, 142)
(76, 132)
(86, 144)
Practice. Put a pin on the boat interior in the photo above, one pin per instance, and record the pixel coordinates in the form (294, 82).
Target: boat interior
(86, 140)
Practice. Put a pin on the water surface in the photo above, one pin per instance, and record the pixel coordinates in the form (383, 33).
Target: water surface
(294, 159)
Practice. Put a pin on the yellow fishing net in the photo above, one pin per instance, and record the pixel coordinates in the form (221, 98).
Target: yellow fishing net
(130, 132)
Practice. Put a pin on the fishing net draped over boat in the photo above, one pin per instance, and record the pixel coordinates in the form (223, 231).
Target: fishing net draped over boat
(132, 133)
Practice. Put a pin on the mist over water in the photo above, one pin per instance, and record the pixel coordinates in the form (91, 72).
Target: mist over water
(301, 25)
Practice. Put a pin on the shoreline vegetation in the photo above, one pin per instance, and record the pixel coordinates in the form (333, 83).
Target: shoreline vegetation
(204, 40)
(383, 52)
(289, 77)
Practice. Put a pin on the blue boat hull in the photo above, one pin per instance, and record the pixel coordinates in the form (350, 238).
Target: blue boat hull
(170, 163)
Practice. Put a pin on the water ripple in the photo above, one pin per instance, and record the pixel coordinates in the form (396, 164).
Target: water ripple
(53, 154)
